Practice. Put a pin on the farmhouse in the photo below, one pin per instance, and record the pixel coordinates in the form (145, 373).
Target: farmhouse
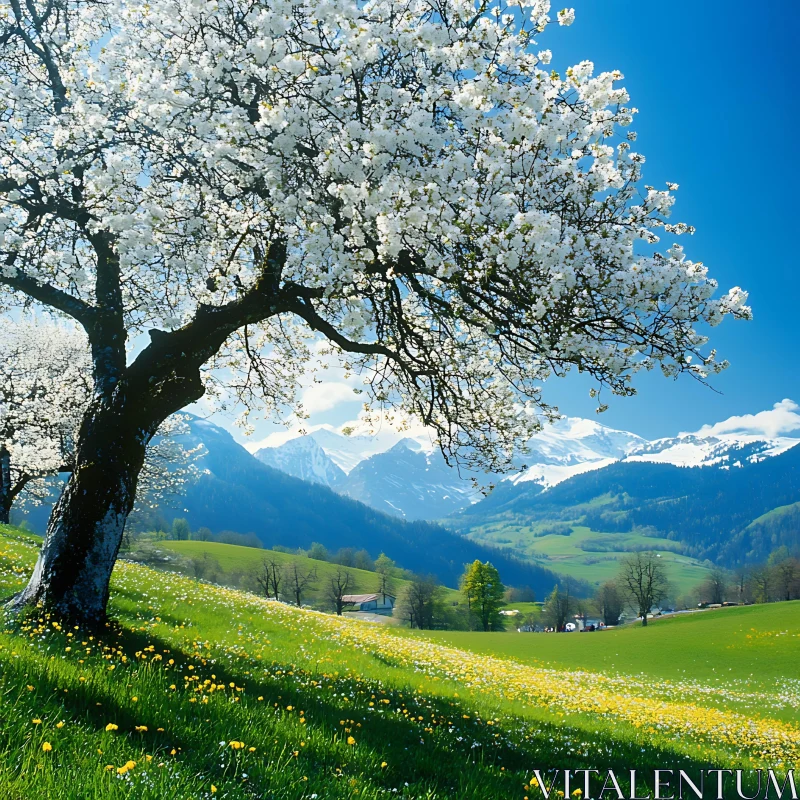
(374, 603)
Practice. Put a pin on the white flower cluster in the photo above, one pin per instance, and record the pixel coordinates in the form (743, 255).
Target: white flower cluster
(439, 193)
(45, 388)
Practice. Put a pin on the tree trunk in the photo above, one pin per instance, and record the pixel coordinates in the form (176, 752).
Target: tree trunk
(5, 485)
(72, 574)
(644, 619)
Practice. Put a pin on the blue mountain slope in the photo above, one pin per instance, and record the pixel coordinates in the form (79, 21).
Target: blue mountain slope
(242, 494)
(715, 511)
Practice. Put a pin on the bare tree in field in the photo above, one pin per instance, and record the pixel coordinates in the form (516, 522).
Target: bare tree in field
(786, 577)
(760, 584)
(270, 577)
(609, 602)
(385, 585)
(644, 579)
(715, 585)
(338, 584)
(741, 582)
(298, 581)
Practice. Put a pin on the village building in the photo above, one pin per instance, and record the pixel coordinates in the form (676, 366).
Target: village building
(372, 603)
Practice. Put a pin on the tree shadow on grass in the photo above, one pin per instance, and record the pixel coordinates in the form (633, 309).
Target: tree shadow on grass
(449, 751)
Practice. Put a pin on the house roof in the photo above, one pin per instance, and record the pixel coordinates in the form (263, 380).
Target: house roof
(361, 598)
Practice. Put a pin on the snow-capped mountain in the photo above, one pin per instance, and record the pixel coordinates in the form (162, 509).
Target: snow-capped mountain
(304, 458)
(572, 446)
(691, 450)
(403, 473)
(410, 481)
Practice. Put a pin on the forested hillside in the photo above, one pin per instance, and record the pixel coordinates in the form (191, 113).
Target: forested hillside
(727, 514)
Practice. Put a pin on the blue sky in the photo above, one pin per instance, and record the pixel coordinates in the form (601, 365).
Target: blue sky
(714, 84)
(718, 114)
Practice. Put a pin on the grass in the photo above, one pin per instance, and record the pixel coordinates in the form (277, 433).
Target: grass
(590, 555)
(235, 559)
(751, 648)
(203, 692)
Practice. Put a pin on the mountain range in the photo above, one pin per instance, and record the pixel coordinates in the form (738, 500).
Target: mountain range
(237, 492)
(408, 477)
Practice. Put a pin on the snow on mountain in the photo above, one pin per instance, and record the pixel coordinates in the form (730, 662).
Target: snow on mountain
(304, 458)
(352, 443)
(410, 481)
(571, 446)
(402, 472)
(689, 450)
(753, 437)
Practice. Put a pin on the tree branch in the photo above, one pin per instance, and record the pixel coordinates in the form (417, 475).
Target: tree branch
(47, 294)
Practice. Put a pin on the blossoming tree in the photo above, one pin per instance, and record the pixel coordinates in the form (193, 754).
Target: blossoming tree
(408, 181)
(45, 388)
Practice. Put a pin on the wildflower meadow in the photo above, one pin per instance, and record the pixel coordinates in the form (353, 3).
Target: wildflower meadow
(198, 691)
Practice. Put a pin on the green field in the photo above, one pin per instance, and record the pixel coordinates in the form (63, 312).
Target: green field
(752, 648)
(587, 554)
(198, 691)
(235, 559)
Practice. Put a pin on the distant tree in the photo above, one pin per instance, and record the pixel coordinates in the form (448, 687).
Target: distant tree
(205, 567)
(385, 586)
(363, 560)
(202, 535)
(338, 585)
(715, 586)
(785, 574)
(609, 602)
(318, 552)
(558, 607)
(644, 579)
(384, 565)
(420, 602)
(741, 579)
(270, 577)
(298, 581)
(760, 584)
(180, 530)
(345, 556)
(483, 591)
(240, 539)
(514, 594)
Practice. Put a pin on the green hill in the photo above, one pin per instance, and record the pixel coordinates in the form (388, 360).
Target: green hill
(235, 559)
(198, 691)
(755, 647)
(734, 514)
(577, 551)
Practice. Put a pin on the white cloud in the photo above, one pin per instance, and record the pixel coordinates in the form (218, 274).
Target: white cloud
(780, 420)
(324, 396)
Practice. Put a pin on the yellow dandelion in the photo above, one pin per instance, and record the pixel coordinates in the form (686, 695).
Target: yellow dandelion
(112, 727)
(36, 721)
(60, 724)
(350, 740)
(47, 747)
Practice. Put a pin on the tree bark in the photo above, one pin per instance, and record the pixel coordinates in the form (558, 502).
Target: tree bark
(5, 485)
(73, 572)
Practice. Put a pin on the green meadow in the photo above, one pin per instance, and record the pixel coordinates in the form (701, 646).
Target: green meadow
(234, 559)
(587, 554)
(198, 691)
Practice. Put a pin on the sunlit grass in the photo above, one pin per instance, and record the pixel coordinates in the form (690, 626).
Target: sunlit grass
(202, 691)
